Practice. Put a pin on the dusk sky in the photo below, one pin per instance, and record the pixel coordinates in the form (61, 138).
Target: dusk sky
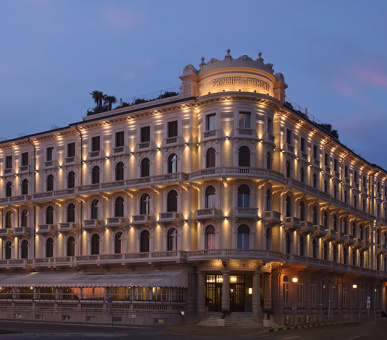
(333, 55)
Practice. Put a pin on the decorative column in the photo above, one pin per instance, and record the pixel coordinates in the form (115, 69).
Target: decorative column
(256, 302)
(267, 293)
(201, 294)
(226, 290)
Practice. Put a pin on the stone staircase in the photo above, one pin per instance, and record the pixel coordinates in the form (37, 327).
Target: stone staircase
(234, 320)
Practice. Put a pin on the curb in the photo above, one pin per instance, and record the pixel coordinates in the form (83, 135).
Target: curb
(287, 328)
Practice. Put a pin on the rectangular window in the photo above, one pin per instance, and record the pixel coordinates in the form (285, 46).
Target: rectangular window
(172, 129)
(244, 120)
(71, 150)
(49, 154)
(289, 136)
(96, 143)
(364, 182)
(355, 176)
(270, 126)
(120, 139)
(145, 134)
(346, 171)
(8, 162)
(336, 164)
(303, 144)
(24, 159)
(210, 122)
(315, 152)
(326, 159)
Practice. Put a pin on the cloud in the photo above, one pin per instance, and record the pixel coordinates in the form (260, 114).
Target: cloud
(370, 77)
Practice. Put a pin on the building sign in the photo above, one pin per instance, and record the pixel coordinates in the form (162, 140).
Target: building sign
(247, 81)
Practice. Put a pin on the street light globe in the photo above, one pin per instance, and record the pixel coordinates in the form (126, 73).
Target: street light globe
(354, 286)
(295, 279)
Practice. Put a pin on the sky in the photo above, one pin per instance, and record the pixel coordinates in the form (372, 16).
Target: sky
(333, 55)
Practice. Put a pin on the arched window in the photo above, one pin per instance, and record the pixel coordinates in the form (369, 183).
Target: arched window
(325, 250)
(95, 175)
(302, 211)
(314, 248)
(244, 156)
(119, 207)
(24, 218)
(8, 250)
(268, 238)
(172, 163)
(210, 197)
(8, 219)
(119, 171)
(50, 183)
(314, 178)
(334, 251)
(210, 158)
(24, 187)
(288, 209)
(268, 200)
(71, 180)
(145, 204)
(95, 244)
(172, 201)
(334, 222)
(288, 169)
(144, 241)
(243, 237)
(210, 237)
(49, 247)
(314, 216)
(243, 196)
(172, 239)
(8, 189)
(145, 167)
(71, 212)
(50, 215)
(71, 246)
(118, 243)
(287, 243)
(268, 160)
(24, 249)
(345, 255)
(302, 246)
(94, 211)
(302, 175)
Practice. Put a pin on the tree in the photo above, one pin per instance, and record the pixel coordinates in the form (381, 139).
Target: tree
(98, 96)
(109, 100)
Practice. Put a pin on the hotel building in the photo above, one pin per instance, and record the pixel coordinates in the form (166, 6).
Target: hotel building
(220, 197)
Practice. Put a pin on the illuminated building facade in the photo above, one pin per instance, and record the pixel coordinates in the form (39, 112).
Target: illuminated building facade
(221, 197)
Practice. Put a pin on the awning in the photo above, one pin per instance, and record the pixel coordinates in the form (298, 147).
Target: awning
(177, 279)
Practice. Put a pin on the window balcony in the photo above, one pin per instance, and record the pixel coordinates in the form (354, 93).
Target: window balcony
(340, 237)
(365, 245)
(269, 138)
(67, 227)
(143, 219)
(358, 243)
(289, 149)
(69, 160)
(50, 164)
(173, 141)
(169, 217)
(272, 218)
(6, 232)
(144, 146)
(46, 228)
(23, 169)
(115, 222)
(21, 199)
(330, 234)
(120, 150)
(307, 227)
(348, 239)
(381, 249)
(319, 230)
(206, 214)
(316, 162)
(327, 170)
(292, 223)
(92, 224)
(95, 154)
(246, 133)
(211, 134)
(8, 172)
(247, 213)
(21, 231)
(304, 155)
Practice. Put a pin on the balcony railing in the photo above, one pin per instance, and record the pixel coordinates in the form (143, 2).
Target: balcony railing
(169, 217)
(358, 242)
(211, 134)
(269, 138)
(115, 222)
(120, 150)
(67, 226)
(6, 232)
(272, 217)
(246, 133)
(381, 248)
(173, 141)
(330, 234)
(206, 214)
(142, 219)
(46, 228)
(307, 227)
(92, 224)
(21, 231)
(144, 146)
(319, 230)
(24, 169)
(348, 239)
(251, 213)
(292, 223)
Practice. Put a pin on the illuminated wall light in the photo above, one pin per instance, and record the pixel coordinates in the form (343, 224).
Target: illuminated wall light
(250, 291)
(354, 286)
(295, 279)
(132, 153)
(83, 162)
(227, 138)
(186, 144)
(158, 149)
(107, 157)
(197, 144)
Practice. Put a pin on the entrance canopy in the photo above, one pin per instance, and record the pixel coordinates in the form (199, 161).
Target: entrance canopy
(176, 279)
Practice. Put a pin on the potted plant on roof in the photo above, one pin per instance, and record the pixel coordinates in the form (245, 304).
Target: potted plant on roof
(224, 314)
